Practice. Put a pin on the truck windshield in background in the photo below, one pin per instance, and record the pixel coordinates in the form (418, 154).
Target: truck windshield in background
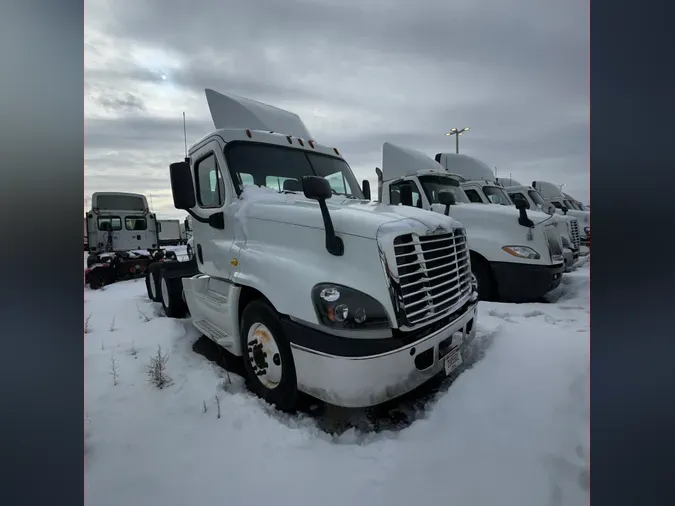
(536, 198)
(282, 169)
(433, 185)
(497, 196)
(119, 202)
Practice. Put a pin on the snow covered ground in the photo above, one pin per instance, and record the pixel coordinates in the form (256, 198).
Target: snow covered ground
(513, 430)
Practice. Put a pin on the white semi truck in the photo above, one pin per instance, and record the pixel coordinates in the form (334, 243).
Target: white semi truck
(552, 193)
(122, 238)
(318, 289)
(516, 256)
(169, 232)
(571, 238)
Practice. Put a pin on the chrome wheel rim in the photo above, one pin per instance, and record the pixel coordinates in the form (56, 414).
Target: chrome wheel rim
(263, 355)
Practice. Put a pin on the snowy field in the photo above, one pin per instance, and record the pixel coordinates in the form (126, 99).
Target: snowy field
(512, 430)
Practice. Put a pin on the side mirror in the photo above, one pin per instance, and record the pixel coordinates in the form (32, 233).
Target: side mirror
(447, 198)
(520, 202)
(522, 205)
(406, 194)
(366, 189)
(549, 209)
(316, 188)
(181, 186)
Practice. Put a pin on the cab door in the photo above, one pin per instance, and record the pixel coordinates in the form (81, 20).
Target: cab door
(213, 194)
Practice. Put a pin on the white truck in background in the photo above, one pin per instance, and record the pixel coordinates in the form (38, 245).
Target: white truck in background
(169, 232)
(122, 238)
(552, 193)
(86, 239)
(576, 204)
(318, 289)
(571, 238)
(516, 256)
(481, 186)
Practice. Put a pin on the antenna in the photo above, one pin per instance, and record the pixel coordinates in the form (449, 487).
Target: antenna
(185, 135)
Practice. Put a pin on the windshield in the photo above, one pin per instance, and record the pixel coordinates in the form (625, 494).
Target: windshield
(557, 204)
(433, 185)
(576, 205)
(567, 204)
(281, 168)
(536, 197)
(497, 196)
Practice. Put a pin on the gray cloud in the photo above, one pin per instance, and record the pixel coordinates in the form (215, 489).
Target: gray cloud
(125, 102)
(359, 73)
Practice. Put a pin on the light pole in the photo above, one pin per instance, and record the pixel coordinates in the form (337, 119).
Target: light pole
(457, 133)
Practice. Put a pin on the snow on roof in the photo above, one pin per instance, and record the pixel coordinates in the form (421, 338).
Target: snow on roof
(507, 181)
(467, 166)
(398, 162)
(233, 112)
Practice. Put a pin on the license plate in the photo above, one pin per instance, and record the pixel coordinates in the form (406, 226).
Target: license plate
(453, 360)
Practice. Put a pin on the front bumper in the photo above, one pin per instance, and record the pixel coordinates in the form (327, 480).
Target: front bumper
(525, 282)
(355, 373)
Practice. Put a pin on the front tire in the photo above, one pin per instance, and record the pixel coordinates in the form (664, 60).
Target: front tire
(268, 360)
(481, 271)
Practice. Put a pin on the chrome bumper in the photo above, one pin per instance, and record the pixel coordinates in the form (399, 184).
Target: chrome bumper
(370, 380)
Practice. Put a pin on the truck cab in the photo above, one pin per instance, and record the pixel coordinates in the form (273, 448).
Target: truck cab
(318, 289)
(569, 234)
(552, 193)
(516, 255)
(122, 238)
(120, 222)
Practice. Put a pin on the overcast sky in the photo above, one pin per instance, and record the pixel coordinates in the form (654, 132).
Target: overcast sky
(359, 73)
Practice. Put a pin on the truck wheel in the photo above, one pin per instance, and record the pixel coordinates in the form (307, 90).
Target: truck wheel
(483, 278)
(153, 280)
(172, 296)
(96, 280)
(268, 360)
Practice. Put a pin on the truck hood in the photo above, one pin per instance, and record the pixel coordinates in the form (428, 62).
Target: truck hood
(486, 214)
(360, 218)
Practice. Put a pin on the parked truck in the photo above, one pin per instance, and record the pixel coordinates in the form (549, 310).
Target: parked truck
(122, 238)
(318, 289)
(169, 232)
(552, 193)
(571, 237)
(86, 240)
(516, 256)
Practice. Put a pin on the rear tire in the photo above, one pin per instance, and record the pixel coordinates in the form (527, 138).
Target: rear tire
(171, 294)
(268, 360)
(153, 282)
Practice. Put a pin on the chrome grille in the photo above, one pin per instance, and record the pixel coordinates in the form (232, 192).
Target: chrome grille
(434, 274)
(574, 233)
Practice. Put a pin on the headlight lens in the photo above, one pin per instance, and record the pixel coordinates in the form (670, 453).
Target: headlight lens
(522, 252)
(340, 307)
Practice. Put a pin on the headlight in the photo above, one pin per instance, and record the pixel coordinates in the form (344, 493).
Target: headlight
(340, 307)
(522, 252)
